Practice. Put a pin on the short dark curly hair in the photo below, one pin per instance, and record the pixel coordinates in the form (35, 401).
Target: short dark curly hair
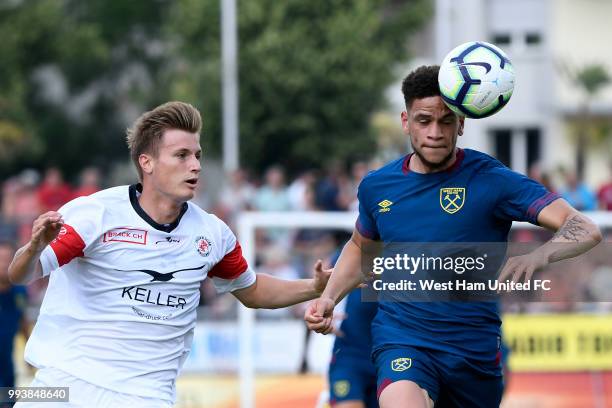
(421, 83)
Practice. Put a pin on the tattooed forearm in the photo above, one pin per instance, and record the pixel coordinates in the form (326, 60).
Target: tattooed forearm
(575, 229)
(576, 235)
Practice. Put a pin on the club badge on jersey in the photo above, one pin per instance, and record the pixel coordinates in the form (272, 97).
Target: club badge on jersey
(452, 199)
(203, 245)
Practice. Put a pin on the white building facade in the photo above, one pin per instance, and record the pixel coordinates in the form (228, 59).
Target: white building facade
(542, 38)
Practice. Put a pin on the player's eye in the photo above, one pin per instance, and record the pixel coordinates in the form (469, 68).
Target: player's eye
(181, 155)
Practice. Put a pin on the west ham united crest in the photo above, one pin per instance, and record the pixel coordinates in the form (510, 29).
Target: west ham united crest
(401, 364)
(342, 388)
(203, 245)
(452, 199)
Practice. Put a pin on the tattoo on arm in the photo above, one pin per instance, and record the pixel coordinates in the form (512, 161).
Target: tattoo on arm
(574, 229)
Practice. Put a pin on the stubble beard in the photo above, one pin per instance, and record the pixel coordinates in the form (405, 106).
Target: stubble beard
(434, 166)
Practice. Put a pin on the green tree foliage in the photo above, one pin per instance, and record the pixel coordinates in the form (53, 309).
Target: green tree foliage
(75, 73)
(310, 72)
(592, 78)
(70, 71)
(589, 130)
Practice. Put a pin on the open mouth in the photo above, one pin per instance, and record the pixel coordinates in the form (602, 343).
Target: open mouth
(192, 181)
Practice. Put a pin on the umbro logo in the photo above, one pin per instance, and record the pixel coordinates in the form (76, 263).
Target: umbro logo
(385, 206)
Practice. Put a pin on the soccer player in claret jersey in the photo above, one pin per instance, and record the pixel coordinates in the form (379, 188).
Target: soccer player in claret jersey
(444, 352)
(125, 267)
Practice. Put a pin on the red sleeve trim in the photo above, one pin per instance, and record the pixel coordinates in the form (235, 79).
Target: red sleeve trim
(365, 232)
(231, 266)
(538, 205)
(68, 245)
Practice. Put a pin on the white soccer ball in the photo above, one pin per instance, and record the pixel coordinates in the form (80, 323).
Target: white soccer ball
(476, 79)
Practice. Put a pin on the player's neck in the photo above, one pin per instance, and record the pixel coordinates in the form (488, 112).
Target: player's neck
(161, 208)
(418, 165)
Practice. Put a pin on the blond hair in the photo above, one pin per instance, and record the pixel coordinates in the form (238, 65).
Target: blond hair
(145, 134)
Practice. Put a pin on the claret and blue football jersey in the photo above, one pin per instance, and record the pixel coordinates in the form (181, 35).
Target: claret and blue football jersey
(476, 201)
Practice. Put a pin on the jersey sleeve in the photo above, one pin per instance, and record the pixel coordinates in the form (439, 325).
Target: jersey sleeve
(521, 198)
(232, 271)
(366, 224)
(82, 225)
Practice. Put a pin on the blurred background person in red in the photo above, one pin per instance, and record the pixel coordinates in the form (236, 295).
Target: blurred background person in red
(53, 192)
(89, 182)
(604, 194)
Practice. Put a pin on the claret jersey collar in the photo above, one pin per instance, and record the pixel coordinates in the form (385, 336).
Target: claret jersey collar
(135, 191)
(458, 160)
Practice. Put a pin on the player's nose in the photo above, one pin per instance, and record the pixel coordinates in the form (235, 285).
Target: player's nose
(195, 166)
(435, 132)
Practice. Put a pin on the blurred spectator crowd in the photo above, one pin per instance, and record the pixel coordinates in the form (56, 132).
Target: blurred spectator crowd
(285, 253)
(27, 195)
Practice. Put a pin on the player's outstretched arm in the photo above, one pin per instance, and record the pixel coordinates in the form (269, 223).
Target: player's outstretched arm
(269, 292)
(346, 276)
(26, 262)
(575, 234)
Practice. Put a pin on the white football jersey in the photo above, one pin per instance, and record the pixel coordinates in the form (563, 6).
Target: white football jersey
(123, 290)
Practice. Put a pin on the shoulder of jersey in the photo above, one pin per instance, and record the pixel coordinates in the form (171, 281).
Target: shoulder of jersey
(113, 196)
(118, 193)
(198, 212)
(394, 166)
(110, 198)
(99, 200)
(483, 162)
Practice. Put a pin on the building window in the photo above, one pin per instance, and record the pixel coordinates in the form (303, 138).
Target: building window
(518, 148)
(502, 147)
(501, 39)
(533, 38)
(534, 146)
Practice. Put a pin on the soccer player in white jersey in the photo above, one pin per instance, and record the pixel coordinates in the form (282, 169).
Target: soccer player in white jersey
(125, 267)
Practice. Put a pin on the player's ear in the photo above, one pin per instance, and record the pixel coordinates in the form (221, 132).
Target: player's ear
(461, 125)
(404, 116)
(146, 163)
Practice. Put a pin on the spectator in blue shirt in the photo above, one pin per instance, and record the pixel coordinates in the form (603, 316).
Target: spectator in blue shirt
(578, 194)
(12, 315)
